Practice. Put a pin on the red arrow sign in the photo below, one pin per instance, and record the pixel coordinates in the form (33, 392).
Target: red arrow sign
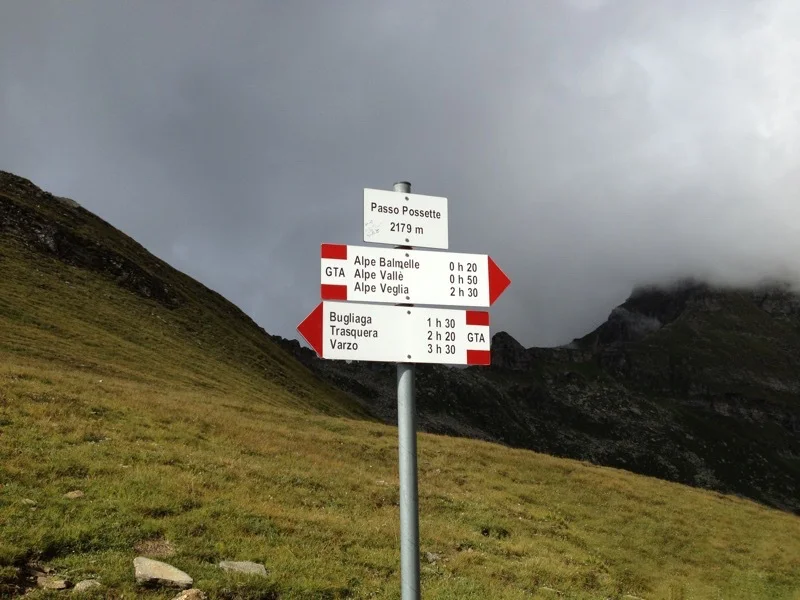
(393, 276)
(370, 332)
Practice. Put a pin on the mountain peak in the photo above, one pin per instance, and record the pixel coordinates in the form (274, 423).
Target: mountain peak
(651, 307)
(21, 188)
(509, 354)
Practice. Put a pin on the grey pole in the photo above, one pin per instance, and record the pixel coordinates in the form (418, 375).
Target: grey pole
(407, 449)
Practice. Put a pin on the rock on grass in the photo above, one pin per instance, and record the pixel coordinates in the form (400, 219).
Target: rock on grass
(156, 573)
(193, 594)
(48, 582)
(249, 568)
(85, 586)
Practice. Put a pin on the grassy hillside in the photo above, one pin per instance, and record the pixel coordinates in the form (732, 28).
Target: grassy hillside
(194, 439)
(77, 292)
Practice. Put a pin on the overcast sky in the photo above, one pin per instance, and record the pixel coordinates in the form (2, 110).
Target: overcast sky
(586, 145)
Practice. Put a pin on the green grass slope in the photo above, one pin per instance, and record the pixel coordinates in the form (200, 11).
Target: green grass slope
(77, 292)
(195, 440)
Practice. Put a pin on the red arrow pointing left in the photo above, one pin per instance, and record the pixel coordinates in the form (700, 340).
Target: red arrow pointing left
(311, 329)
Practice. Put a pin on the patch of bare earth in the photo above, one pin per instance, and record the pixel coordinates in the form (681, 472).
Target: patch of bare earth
(156, 547)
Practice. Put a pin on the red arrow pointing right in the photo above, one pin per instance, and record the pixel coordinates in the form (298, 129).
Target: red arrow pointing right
(311, 329)
(498, 281)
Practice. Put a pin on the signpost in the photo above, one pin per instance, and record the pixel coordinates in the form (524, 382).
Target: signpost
(404, 333)
(400, 334)
(392, 275)
(402, 218)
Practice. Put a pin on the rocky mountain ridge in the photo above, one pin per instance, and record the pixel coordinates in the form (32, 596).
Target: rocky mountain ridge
(687, 382)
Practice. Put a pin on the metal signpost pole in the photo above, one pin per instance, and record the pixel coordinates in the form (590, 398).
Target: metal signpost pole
(407, 450)
(341, 328)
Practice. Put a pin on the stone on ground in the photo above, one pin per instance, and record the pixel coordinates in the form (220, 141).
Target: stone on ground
(193, 594)
(249, 568)
(48, 582)
(151, 572)
(85, 586)
(433, 557)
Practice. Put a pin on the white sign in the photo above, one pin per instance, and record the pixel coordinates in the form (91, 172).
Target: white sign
(369, 332)
(405, 219)
(398, 276)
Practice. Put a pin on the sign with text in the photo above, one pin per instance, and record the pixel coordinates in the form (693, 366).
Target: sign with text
(405, 219)
(395, 276)
(400, 334)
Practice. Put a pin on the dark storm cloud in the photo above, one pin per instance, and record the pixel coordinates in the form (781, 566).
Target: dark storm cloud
(587, 145)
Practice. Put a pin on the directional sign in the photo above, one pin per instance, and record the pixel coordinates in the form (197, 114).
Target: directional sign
(396, 276)
(405, 219)
(403, 334)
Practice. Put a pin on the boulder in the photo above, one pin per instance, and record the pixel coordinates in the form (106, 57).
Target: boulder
(154, 573)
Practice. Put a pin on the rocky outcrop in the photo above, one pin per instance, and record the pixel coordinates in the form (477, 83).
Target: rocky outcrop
(508, 353)
(42, 222)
